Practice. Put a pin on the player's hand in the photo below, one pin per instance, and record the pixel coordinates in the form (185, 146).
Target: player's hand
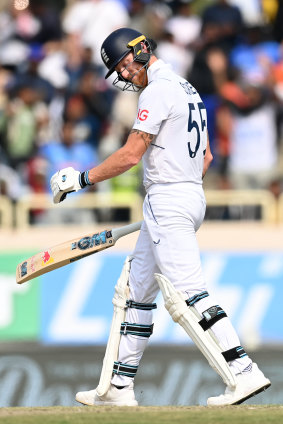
(63, 182)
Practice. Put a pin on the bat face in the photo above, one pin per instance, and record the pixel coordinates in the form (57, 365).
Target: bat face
(63, 254)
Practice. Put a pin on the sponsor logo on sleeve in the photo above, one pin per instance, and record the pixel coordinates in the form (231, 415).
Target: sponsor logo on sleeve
(143, 114)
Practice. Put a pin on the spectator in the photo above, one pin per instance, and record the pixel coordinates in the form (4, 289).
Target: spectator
(253, 151)
(93, 20)
(74, 152)
(209, 71)
(86, 126)
(5, 78)
(98, 101)
(37, 168)
(27, 74)
(256, 54)
(137, 10)
(49, 20)
(222, 24)
(229, 52)
(179, 57)
(36, 174)
(7, 24)
(251, 11)
(71, 151)
(77, 60)
(184, 26)
(69, 68)
(24, 117)
(278, 23)
(10, 183)
(25, 26)
(13, 54)
(277, 79)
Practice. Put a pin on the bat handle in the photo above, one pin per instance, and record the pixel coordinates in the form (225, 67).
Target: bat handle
(127, 229)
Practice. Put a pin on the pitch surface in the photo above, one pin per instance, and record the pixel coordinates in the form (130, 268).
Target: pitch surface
(244, 414)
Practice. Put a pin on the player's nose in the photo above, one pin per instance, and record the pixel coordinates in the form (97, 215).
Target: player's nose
(125, 74)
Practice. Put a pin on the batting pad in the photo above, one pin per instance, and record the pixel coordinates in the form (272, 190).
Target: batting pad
(187, 317)
(111, 354)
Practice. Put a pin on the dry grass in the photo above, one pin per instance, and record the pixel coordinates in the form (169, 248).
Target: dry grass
(243, 414)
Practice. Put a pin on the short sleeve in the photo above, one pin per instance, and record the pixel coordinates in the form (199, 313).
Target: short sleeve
(154, 107)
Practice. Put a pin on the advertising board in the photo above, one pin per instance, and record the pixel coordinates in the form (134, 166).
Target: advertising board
(73, 305)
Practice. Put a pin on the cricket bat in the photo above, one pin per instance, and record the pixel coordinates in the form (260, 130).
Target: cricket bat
(70, 251)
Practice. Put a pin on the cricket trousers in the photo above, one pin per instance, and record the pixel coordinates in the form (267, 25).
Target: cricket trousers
(167, 244)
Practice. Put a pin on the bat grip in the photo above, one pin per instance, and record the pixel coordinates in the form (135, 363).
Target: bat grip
(127, 229)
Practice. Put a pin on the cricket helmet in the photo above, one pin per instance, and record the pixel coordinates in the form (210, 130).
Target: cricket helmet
(122, 42)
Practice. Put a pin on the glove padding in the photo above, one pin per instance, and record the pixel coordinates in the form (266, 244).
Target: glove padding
(63, 182)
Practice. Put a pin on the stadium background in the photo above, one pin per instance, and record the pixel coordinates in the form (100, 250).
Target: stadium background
(53, 330)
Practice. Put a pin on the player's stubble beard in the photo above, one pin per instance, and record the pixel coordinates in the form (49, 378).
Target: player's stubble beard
(139, 78)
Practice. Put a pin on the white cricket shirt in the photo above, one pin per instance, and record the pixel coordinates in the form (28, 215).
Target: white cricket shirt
(172, 109)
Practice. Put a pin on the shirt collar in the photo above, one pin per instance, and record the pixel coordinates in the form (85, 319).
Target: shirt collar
(153, 68)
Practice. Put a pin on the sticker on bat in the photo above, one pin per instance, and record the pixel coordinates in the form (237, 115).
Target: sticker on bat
(47, 259)
(32, 264)
(24, 269)
(95, 240)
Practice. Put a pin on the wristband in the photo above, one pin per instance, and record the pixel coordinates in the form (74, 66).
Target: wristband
(84, 180)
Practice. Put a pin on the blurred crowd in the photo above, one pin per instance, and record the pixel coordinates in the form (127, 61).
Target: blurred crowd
(57, 109)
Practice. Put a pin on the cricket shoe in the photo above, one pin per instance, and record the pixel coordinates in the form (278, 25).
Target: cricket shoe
(114, 396)
(248, 384)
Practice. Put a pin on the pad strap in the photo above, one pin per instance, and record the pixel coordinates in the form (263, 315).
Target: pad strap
(234, 353)
(192, 300)
(125, 369)
(136, 329)
(143, 306)
(211, 316)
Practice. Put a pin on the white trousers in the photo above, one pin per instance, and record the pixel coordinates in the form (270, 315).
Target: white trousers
(167, 244)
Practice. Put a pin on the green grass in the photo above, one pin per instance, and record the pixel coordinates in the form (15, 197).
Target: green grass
(247, 414)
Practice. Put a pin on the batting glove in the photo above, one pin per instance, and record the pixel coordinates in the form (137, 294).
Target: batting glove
(66, 181)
